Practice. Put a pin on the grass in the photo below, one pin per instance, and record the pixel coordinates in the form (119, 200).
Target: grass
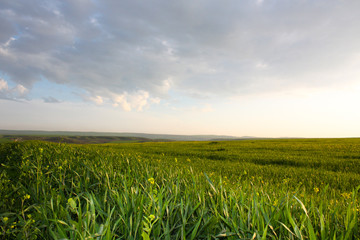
(270, 189)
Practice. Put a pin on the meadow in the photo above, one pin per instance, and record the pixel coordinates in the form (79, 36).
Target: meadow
(253, 189)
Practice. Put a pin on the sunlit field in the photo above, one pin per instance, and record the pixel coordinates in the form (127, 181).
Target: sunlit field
(253, 189)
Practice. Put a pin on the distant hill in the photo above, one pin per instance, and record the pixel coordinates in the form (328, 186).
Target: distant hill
(74, 139)
(102, 137)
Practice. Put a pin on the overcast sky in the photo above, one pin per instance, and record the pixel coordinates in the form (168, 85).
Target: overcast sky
(267, 68)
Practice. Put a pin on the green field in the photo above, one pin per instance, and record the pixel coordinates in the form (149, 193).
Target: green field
(253, 189)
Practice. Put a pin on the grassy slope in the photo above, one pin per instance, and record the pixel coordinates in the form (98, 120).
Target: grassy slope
(312, 162)
(195, 190)
(114, 134)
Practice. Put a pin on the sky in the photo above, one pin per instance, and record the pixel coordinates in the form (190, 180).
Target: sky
(265, 68)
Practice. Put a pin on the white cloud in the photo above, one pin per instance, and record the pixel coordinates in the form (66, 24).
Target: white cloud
(4, 49)
(97, 99)
(7, 44)
(188, 47)
(20, 90)
(12, 93)
(155, 100)
(165, 86)
(3, 85)
(128, 102)
(261, 65)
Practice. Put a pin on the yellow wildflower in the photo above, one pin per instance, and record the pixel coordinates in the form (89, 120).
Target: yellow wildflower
(151, 180)
(5, 219)
(346, 195)
(13, 225)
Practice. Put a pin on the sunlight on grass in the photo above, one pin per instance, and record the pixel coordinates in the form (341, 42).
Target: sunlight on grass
(200, 190)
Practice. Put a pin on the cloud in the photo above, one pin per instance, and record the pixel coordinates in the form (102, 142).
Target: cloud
(128, 52)
(97, 99)
(50, 100)
(136, 101)
(3, 85)
(20, 90)
(12, 93)
(261, 65)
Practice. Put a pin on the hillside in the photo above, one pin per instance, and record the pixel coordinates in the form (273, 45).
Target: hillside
(105, 137)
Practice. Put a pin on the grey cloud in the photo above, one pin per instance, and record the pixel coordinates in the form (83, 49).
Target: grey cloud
(51, 100)
(207, 48)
